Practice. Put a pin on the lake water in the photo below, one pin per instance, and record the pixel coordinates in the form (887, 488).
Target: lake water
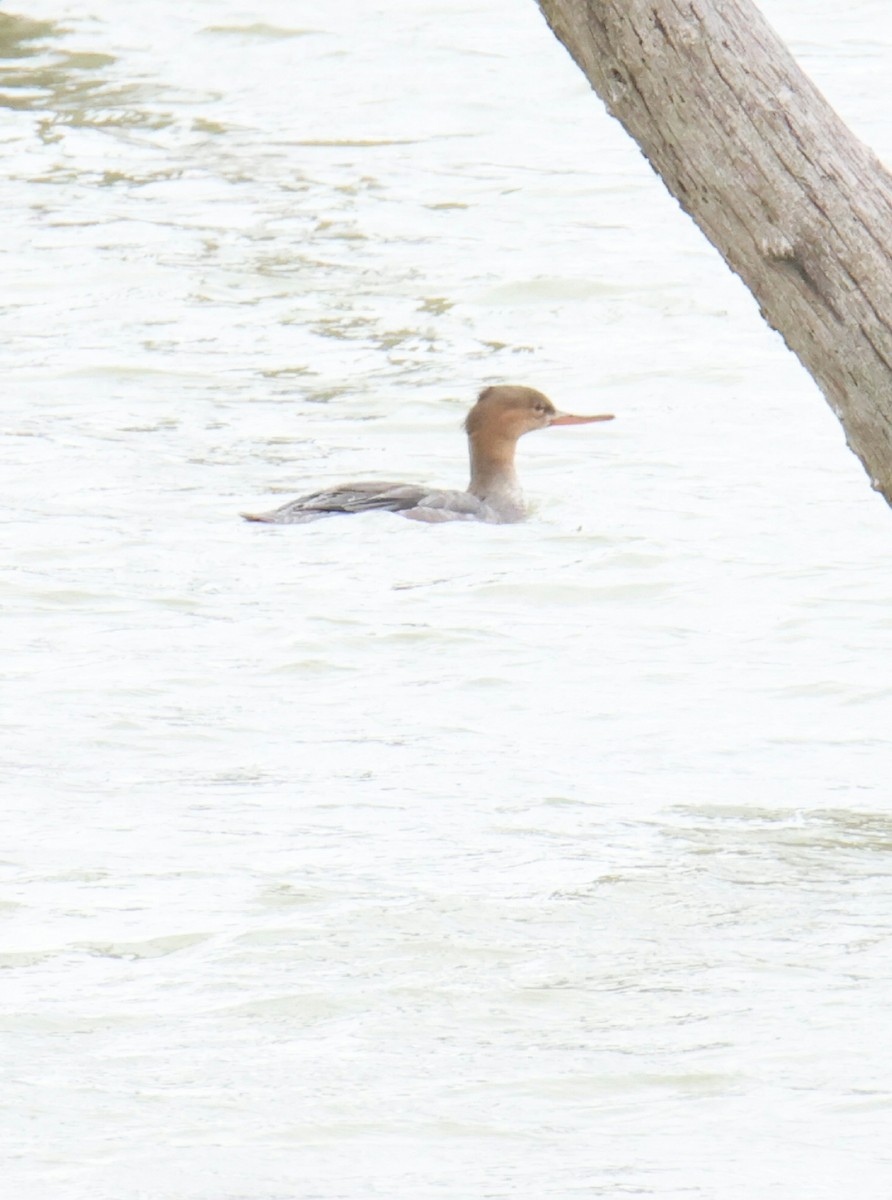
(374, 859)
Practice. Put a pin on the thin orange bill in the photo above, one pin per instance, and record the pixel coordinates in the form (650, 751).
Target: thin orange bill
(569, 419)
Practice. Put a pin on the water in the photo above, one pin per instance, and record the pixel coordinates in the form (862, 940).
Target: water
(375, 859)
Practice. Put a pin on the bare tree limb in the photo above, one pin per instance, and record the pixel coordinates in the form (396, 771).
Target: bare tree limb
(749, 147)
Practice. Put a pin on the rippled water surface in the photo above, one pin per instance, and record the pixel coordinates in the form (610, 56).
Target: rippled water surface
(373, 859)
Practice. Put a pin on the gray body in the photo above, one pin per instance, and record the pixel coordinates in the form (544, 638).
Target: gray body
(408, 499)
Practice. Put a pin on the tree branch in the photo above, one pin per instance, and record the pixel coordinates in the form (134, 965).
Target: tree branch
(795, 204)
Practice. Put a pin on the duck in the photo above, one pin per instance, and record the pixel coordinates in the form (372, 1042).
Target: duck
(502, 414)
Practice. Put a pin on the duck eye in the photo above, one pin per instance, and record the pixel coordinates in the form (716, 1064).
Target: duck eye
(540, 408)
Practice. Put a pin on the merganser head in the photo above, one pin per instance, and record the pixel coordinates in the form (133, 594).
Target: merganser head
(507, 411)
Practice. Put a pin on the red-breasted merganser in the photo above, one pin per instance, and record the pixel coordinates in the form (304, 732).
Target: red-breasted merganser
(501, 415)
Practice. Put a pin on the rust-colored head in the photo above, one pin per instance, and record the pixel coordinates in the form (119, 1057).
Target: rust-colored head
(509, 411)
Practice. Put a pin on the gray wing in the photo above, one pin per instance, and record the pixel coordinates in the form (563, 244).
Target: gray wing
(346, 498)
(437, 505)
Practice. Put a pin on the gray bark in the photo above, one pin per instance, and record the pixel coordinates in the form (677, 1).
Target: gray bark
(749, 147)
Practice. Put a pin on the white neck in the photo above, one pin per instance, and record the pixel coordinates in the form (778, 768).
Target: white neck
(493, 477)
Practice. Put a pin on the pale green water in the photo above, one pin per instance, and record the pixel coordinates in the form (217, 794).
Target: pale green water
(369, 859)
